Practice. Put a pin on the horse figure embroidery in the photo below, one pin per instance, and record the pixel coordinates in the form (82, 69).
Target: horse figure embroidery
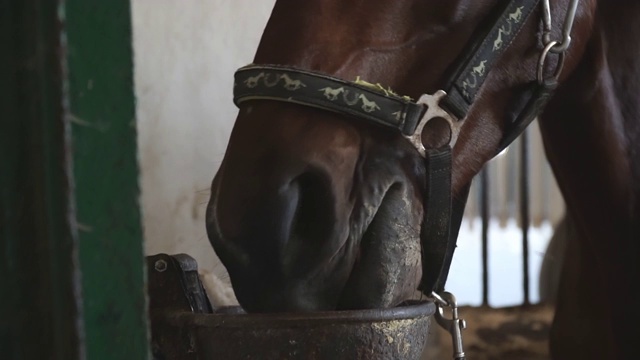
(469, 84)
(472, 81)
(367, 105)
(497, 44)
(290, 84)
(332, 94)
(480, 69)
(516, 16)
(253, 81)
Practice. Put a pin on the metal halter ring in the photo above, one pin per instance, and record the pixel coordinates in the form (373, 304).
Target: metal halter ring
(543, 60)
(433, 111)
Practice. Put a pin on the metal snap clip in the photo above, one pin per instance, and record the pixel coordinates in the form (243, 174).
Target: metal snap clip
(453, 325)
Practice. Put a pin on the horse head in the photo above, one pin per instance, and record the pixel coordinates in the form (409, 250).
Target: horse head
(311, 210)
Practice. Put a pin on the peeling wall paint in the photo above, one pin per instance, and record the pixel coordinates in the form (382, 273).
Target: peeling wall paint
(185, 55)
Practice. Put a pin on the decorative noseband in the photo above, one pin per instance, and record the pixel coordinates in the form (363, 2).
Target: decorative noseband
(281, 83)
(308, 88)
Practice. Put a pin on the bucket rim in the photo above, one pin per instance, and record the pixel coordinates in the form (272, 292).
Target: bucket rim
(409, 311)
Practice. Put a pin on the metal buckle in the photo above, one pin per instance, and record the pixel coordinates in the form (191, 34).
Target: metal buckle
(542, 64)
(453, 325)
(432, 103)
(570, 17)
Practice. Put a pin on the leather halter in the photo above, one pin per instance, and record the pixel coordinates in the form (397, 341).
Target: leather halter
(442, 214)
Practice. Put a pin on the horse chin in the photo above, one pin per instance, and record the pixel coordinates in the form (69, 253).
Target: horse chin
(388, 268)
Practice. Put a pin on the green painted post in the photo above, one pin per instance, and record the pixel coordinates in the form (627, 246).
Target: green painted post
(72, 278)
(105, 168)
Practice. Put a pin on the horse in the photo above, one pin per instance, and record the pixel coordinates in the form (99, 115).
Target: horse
(316, 210)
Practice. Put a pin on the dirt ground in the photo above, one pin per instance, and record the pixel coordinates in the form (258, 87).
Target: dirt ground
(497, 334)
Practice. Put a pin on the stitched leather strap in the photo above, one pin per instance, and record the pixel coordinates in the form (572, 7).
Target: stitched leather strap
(483, 54)
(271, 82)
(436, 226)
(442, 219)
(537, 97)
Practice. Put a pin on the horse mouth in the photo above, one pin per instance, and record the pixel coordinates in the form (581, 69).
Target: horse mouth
(370, 259)
(387, 268)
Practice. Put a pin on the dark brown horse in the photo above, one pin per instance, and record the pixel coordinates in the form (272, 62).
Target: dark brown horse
(312, 210)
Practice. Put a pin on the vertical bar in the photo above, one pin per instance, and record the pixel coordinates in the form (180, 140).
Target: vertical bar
(39, 295)
(524, 213)
(484, 213)
(102, 113)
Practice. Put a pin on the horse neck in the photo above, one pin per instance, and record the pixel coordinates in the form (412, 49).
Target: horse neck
(591, 131)
(623, 53)
(592, 126)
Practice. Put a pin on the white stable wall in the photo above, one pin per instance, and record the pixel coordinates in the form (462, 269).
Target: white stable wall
(185, 54)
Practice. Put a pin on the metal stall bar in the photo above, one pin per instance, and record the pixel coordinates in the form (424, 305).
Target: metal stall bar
(524, 213)
(484, 213)
(39, 297)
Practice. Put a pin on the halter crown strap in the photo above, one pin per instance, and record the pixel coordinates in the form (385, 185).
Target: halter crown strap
(483, 54)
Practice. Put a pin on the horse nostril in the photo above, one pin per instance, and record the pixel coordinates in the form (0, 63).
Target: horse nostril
(311, 223)
(313, 193)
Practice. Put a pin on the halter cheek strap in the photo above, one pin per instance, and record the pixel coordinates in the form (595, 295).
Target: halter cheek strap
(442, 219)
